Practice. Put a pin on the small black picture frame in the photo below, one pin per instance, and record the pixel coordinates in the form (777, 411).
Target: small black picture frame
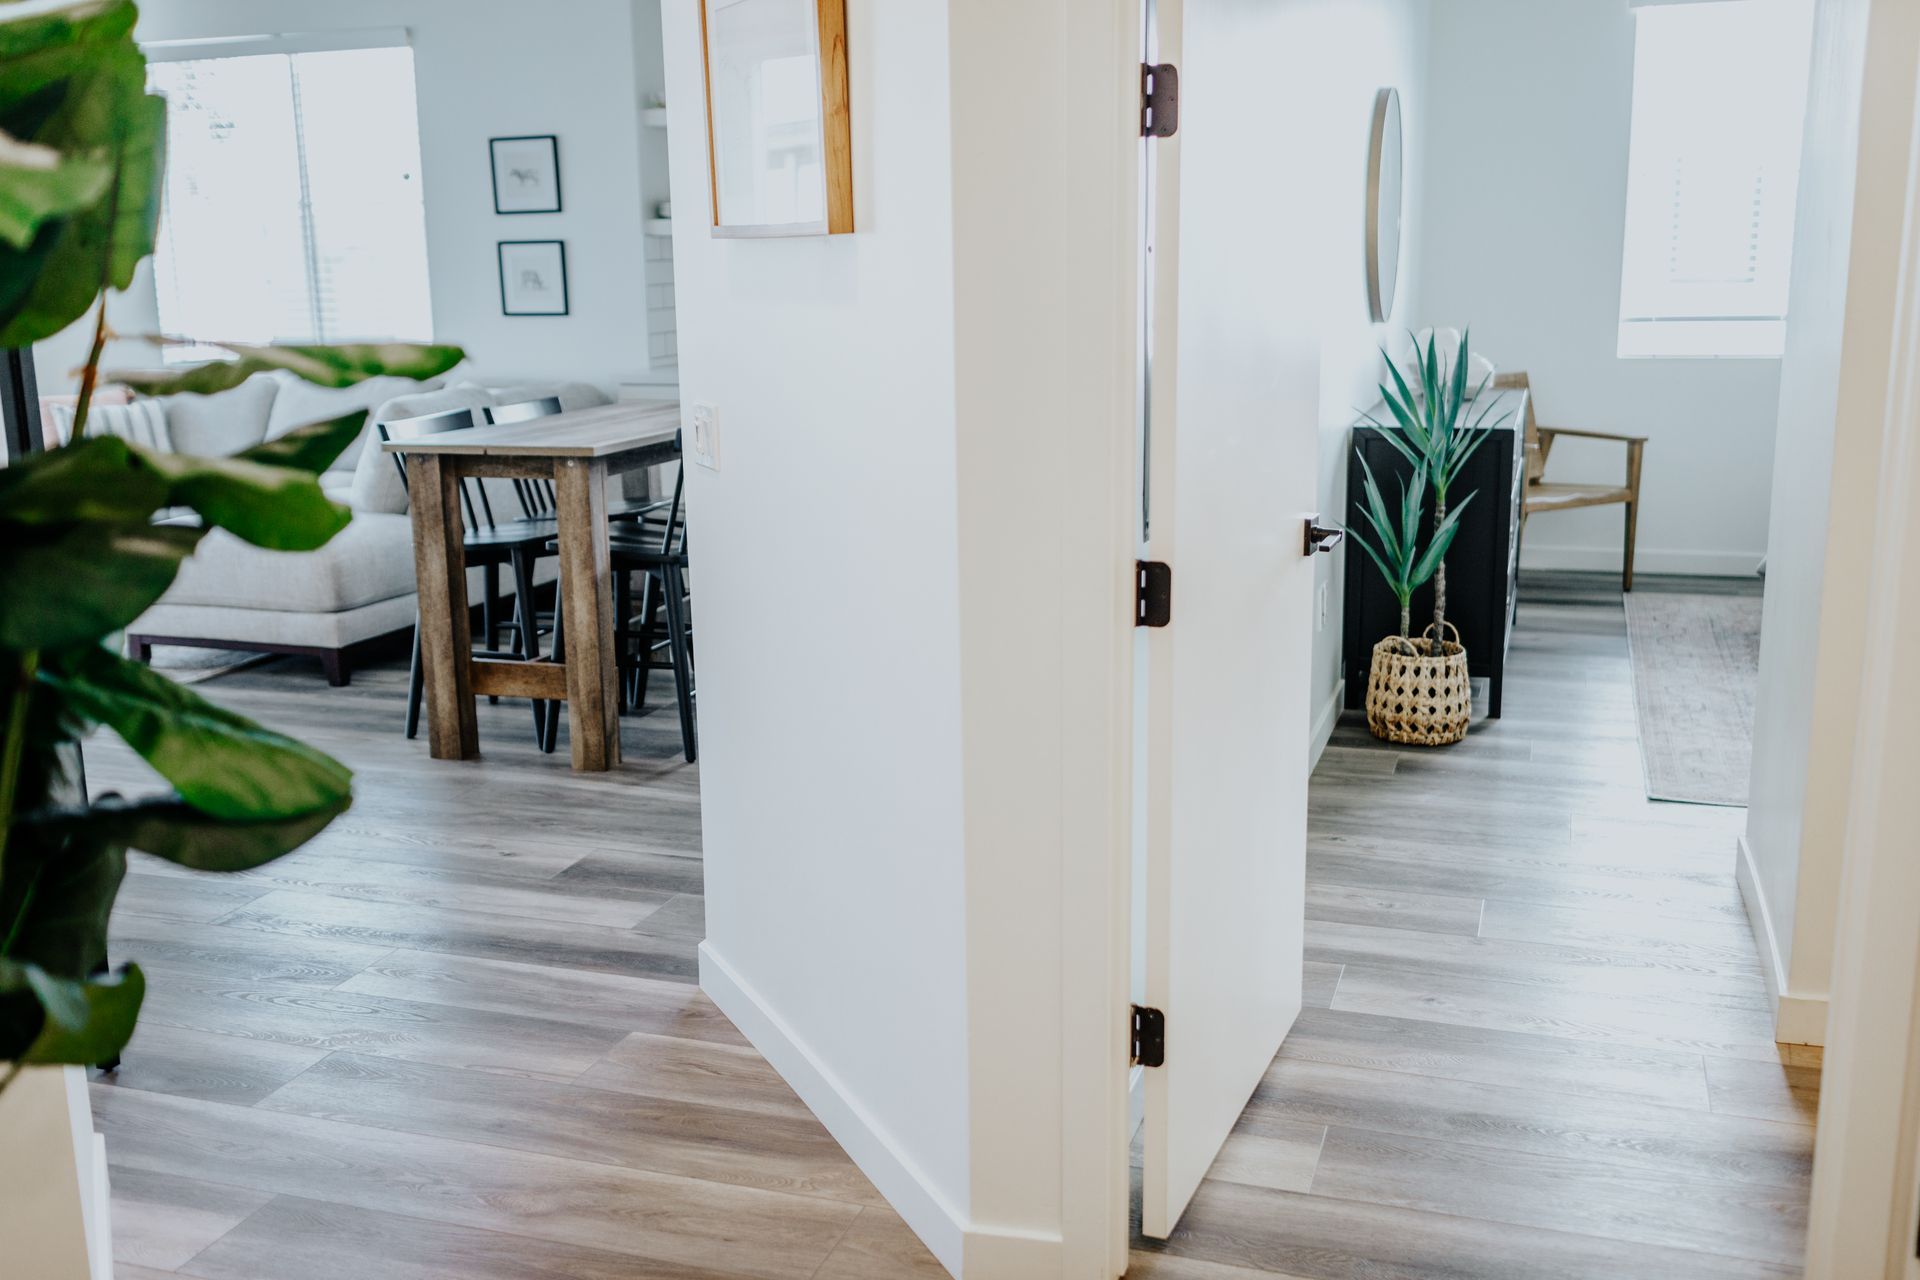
(530, 168)
(533, 278)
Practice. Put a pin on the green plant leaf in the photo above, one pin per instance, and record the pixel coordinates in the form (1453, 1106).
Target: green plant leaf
(169, 828)
(74, 80)
(274, 507)
(38, 183)
(1429, 564)
(326, 366)
(66, 586)
(312, 448)
(99, 478)
(86, 1020)
(222, 764)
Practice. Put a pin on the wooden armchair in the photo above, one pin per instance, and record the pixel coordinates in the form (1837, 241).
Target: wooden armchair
(1543, 495)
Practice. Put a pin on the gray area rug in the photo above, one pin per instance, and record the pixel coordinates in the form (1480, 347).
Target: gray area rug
(1696, 664)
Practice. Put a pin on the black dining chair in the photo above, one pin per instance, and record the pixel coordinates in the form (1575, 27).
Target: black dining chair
(535, 495)
(654, 549)
(489, 543)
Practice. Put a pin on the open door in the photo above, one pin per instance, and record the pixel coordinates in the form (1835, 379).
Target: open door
(1229, 477)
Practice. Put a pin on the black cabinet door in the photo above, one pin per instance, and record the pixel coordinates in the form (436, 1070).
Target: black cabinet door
(1479, 565)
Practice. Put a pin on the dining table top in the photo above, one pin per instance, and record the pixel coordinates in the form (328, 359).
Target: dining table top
(600, 432)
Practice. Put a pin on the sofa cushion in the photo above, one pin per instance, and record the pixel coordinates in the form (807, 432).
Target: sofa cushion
(225, 422)
(143, 422)
(370, 560)
(301, 402)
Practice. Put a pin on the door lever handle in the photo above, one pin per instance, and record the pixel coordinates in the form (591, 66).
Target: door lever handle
(1319, 538)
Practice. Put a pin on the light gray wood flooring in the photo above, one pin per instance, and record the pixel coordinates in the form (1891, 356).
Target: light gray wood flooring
(457, 1036)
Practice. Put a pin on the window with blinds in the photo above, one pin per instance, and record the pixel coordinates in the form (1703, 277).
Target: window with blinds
(1719, 91)
(293, 209)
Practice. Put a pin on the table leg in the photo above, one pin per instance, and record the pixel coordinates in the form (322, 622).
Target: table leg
(586, 578)
(446, 649)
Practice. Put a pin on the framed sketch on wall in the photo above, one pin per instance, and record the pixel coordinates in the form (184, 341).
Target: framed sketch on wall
(526, 174)
(533, 277)
(779, 136)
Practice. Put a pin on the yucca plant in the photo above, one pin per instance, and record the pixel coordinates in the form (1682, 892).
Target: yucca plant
(1395, 545)
(1430, 430)
(81, 555)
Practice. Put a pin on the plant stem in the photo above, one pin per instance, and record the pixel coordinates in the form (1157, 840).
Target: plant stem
(15, 746)
(90, 374)
(1439, 572)
(1406, 616)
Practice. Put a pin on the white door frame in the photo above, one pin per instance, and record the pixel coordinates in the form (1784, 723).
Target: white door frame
(1862, 1219)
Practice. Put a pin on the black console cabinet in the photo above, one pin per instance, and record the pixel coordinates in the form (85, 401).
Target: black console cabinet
(1482, 566)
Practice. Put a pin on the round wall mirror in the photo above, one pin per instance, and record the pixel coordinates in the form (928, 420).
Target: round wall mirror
(1383, 204)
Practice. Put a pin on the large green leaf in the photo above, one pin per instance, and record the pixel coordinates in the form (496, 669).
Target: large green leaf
(274, 507)
(311, 448)
(327, 366)
(71, 585)
(73, 79)
(99, 478)
(281, 507)
(222, 764)
(169, 828)
(38, 183)
(85, 1021)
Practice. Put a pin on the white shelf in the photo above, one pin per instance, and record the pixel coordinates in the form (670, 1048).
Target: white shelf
(654, 117)
(659, 226)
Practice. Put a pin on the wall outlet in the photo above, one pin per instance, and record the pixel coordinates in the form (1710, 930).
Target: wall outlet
(705, 433)
(1320, 608)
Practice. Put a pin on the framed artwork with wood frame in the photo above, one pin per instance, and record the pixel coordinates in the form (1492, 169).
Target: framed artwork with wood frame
(779, 134)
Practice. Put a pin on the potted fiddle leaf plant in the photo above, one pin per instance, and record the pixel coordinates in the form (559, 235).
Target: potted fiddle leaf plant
(1417, 690)
(92, 533)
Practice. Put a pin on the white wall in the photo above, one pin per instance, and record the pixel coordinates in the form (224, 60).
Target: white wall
(1359, 47)
(914, 588)
(1525, 199)
(829, 656)
(1833, 396)
(483, 68)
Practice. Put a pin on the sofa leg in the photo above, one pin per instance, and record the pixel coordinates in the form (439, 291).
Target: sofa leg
(140, 649)
(334, 663)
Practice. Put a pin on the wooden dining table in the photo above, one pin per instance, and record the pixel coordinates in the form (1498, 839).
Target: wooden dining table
(578, 452)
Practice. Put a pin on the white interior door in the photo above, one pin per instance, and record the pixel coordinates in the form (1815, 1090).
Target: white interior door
(1230, 477)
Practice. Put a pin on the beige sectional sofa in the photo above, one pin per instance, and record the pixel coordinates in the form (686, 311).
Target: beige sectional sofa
(358, 587)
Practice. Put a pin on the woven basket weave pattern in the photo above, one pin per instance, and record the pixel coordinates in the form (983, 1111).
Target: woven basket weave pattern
(1421, 699)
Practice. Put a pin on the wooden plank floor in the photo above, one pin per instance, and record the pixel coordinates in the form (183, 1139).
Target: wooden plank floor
(458, 1036)
(1545, 1049)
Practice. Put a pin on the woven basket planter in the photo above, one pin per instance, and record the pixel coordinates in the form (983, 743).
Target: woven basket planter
(1422, 699)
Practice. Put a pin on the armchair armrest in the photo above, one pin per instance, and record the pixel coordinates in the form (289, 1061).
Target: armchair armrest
(1590, 435)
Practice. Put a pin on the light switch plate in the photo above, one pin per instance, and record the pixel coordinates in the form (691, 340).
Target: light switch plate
(705, 442)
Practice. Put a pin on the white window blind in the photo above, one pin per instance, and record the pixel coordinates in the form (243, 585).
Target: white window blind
(293, 209)
(1719, 92)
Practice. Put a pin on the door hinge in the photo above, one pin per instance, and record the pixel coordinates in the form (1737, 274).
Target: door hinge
(1149, 1037)
(1153, 594)
(1159, 99)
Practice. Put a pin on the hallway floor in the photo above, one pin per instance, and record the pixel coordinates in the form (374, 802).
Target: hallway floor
(457, 1035)
(1536, 1041)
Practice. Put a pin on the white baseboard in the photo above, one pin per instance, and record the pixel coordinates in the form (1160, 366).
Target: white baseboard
(964, 1248)
(1796, 1019)
(1323, 722)
(1716, 564)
